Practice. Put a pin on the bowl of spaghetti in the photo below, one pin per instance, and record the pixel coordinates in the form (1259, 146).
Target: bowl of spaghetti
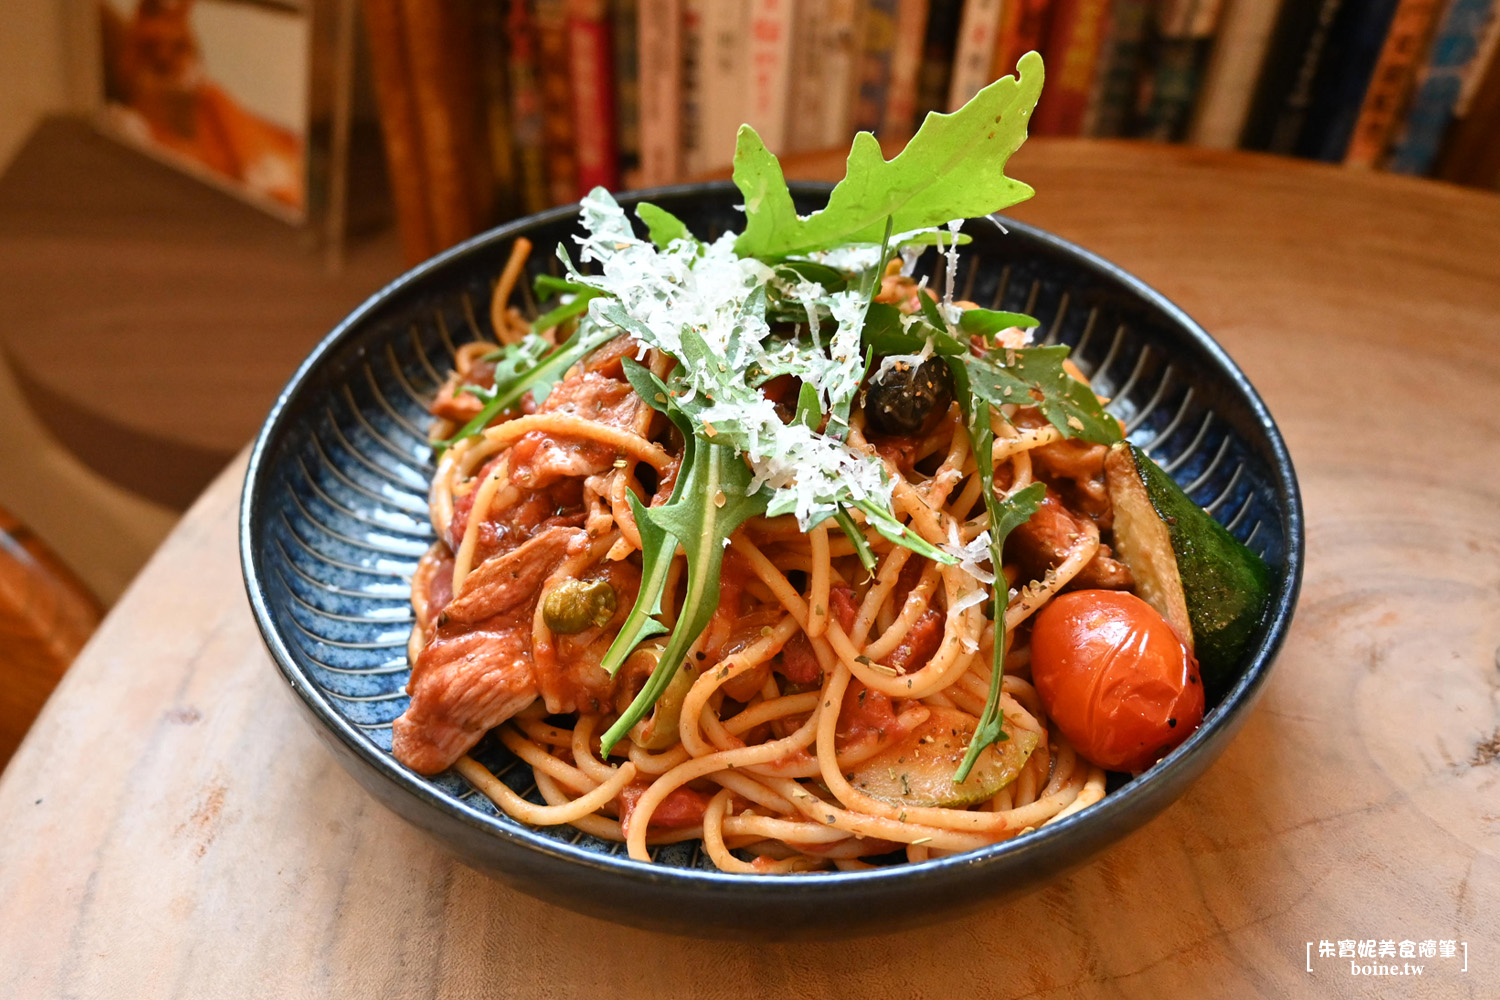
(770, 594)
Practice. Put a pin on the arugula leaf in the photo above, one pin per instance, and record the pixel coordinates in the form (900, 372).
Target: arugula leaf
(892, 530)
(657, 546)
(953, 168)
(1036, 375)
(539, 379)
(514, 359)
(988, 322)
(548, 286)
(1005, 516)
(856, 538)
(715, 500)
(577, 306)
(662, 226)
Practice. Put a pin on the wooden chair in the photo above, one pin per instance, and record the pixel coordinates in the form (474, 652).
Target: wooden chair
(46, 615)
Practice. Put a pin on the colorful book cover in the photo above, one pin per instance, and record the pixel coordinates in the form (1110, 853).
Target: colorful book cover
(659, 40)
(1071, 50)
(551, 20)
(1470, 153)
(1354, 46)
(1391, 81)
(1454, 47)
(978, 36)
(589, 62)
(1229, 81)
(770, 42)
(906, 66)
(840, 48)
(1113, 99)
(877, 50)
(527, 114)
(624, 19)
(938, 47)
(1023, 27)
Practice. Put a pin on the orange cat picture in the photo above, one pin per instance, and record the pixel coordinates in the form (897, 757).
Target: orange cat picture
(161, 95)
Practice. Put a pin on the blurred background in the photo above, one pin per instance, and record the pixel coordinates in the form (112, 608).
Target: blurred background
(193, 192)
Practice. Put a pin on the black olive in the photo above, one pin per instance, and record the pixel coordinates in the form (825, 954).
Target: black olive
(906, 398)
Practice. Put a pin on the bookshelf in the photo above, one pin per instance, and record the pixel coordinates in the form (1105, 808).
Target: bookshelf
(492, 110)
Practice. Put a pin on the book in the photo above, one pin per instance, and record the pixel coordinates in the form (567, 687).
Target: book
(593, 92)
(1285, 86)
(1229, 79)
(527, 114)
(1022, 29)
(1179, 50)
(1112, 101)
(400, 133)
(939, 43)
(808, 89)
(899, 119)
(489, 27)
(1454, 47)
(840, 52)
(877, 46)
(723, 82)
(1391, 81)
(978, 36)
(624, 20)
(770, 70)
(1071, 50)
(659, 41)
(1354, 45)
(1471, 154)
(691, 98)
(551, 20)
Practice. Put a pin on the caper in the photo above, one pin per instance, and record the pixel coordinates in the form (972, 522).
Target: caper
(575, 605)
(901, 397)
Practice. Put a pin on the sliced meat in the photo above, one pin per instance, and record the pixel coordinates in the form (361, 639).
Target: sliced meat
(463, 685)
(1076, 469)
(539, 459)
(500, 584)
(1044, 541)
(920, 642)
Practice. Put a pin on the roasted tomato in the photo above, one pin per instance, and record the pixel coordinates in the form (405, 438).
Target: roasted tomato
(1115, 677)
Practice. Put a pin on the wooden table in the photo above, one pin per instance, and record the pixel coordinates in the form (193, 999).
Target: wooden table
(171, 828)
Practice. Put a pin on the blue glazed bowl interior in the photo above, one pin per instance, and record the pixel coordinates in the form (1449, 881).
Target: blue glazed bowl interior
(335, 517)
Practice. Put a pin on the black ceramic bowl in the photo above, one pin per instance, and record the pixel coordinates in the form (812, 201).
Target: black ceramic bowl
(334, 517)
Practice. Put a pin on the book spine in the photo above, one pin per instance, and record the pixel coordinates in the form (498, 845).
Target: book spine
(723, 82)
(1470, 153)
(399, 131)
(1023, 28)
(1479, 65)
(873, 67)
(593, 96)
(1071, 51)
(527, 115)
(809, 88)
(660, 45)
(1338, 92)
(1229, 80)
(490, 28)
(978, 35)
(624, 18)
(900, 115)
(841, 37)
(1113, 97)
(1287, 127)
(550, 17)
(691, 100)
(1185, 30)
(770, 59)
(440, 50)
(938, 48)
(1453, 49)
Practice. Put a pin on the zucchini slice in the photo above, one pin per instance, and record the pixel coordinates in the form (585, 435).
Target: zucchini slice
(1208, 586)
(918, 771)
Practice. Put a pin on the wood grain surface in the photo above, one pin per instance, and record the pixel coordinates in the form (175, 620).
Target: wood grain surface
(172, 828)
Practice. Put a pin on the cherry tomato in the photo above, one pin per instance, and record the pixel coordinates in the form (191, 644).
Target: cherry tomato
(1114, 676)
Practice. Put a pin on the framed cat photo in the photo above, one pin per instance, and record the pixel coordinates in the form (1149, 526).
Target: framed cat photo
(221, 89)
